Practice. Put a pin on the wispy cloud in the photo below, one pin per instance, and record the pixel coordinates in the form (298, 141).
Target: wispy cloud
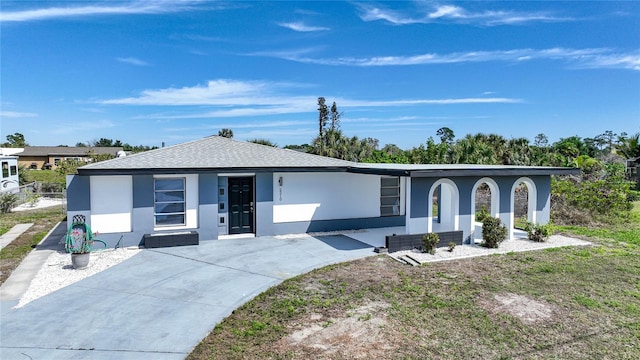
(302, 27)
(83, 126)
(234, 98)
(580, 58)
(456, 14)
(133, 61)
(16, 114)
(100, 8)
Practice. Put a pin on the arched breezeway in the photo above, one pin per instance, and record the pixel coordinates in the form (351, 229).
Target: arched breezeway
(447, 206)
(531, 202)
(494, 209)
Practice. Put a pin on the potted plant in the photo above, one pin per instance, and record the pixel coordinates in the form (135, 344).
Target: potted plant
(79, 242)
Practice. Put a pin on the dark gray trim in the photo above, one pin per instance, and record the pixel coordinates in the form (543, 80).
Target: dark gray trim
(338, 224)
(498, 170)
(264, 187)
(229, 170)
(142, 191)
(207, 189)
(79, 194)
(494, 172)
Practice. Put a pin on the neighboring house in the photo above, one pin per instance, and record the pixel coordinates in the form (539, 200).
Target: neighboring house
(221, 187)
(48, 157)
(632, 169)
(9, 180)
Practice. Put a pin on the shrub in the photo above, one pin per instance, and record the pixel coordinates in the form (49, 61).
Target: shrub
(7, 202)
(493, 232)
(603, 196)
(482, 214)
(430, 241)
(452, 246)
(537, 232)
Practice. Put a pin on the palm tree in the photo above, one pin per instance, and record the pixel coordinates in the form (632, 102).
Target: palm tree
(629, 148)
(228, 133)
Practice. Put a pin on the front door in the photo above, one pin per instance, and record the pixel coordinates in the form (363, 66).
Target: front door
(240, 205)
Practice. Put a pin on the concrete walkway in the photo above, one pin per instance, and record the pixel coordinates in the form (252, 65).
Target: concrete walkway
(162, 302)
(13, 234)
(18, 283)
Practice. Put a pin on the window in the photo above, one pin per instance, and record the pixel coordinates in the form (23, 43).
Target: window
(169, 201)
(5, 169)
(389, 196)
(14, 170)
(56, 161)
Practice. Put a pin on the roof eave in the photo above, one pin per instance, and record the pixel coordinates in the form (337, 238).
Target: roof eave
(496, 172)
(227, 170)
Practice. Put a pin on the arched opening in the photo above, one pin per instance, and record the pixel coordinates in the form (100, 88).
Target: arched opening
(523, 206)
(444, 203)
(485, 200)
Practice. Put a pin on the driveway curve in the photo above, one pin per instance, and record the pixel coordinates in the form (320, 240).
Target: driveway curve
(160, 303)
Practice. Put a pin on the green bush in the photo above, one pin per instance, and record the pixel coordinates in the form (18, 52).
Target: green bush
(7, 202)
(537, 232)
(482, 214)
(493, 232)
(430, 241)
(578, 200)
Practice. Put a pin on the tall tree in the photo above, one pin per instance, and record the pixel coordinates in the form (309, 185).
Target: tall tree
(16, 140)
(335, 117)
(541, 140)
(323, 119)
(629, 147)
(446, 135)
(228, 133)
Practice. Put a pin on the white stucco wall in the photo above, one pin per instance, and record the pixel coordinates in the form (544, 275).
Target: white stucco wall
(111, 203)
(325, 196)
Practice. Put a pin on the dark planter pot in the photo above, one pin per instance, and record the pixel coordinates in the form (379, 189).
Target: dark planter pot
(80, 261)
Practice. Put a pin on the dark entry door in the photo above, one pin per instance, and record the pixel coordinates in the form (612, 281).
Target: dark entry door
(240, 205)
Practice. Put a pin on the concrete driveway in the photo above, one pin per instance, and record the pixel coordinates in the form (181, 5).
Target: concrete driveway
(160, 303)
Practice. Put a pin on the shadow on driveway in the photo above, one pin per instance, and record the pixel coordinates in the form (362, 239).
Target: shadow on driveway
(341, 242)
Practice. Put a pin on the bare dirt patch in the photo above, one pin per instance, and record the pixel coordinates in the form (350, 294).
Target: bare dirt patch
(358, 333)
(527, 310)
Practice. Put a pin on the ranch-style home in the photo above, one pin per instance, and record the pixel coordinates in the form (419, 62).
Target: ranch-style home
(223, 188)
(48, 157)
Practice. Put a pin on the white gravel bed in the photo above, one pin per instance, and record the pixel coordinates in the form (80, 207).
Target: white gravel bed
(40, 203)
(507, 246)
(57, 272)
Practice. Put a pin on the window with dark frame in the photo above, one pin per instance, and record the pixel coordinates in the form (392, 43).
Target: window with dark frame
(389, 196)
(5, 169)
(169, 201)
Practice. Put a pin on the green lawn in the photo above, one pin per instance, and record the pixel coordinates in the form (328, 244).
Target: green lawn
(43, 221)
(562, 303)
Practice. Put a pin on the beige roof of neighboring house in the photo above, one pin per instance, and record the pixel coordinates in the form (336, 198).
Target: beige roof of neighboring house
(67, 151)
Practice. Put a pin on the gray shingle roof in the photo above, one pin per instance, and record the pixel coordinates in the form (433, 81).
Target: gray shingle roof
(67, 151)
(217, 152)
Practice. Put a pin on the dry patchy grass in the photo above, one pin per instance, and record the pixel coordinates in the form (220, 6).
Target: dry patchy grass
(43, 221)
(559, 303)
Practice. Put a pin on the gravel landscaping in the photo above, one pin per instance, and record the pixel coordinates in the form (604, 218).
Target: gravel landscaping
(57, 271)
(507, 246)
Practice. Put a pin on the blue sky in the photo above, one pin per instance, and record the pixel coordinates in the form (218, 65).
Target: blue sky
(153, 71)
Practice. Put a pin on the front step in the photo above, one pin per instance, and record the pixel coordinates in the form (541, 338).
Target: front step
(409, 260)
